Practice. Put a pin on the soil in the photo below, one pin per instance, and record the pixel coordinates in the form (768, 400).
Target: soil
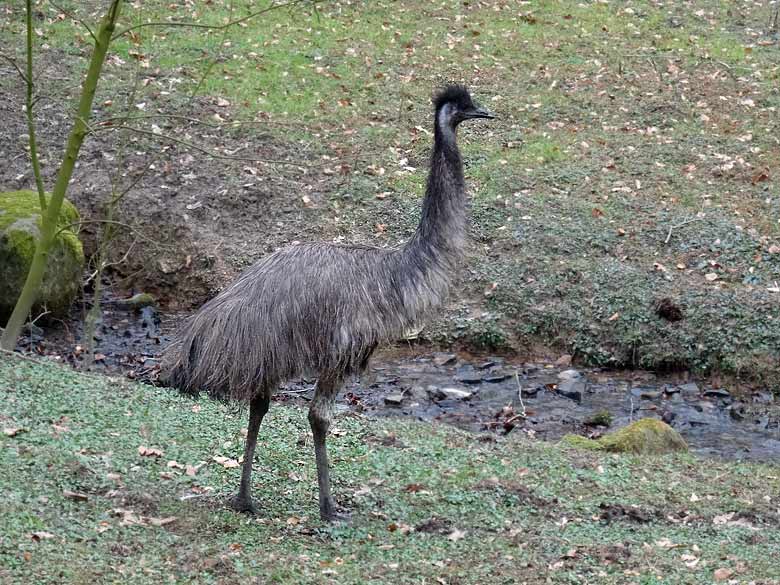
(190, 222)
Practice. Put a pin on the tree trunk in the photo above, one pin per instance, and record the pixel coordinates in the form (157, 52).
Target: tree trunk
(49, 218)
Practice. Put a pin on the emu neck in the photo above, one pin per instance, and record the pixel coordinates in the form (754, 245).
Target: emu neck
(441, 232)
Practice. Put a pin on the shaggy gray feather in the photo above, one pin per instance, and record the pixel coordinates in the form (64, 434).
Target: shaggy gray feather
(315, 308)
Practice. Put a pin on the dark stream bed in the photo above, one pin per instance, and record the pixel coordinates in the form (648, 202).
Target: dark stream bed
(482, 394)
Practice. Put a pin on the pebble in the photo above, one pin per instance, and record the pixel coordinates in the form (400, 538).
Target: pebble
(569, 375)
(495, 377)
(468, 377)
(444, 359)
(717, 393)
(454, 394)
(573, 389)
(690, 389)
(394, 399)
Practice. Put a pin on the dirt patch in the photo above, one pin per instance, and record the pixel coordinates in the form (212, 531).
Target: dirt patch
(189, 222)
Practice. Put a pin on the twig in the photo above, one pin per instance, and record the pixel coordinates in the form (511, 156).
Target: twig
(21, 356)
(36, 165)
(15, 66)
(76, 18)
(208, 26)
(519, 396)
(679, 225)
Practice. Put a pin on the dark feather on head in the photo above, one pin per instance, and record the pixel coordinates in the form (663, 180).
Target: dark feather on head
(456, 94)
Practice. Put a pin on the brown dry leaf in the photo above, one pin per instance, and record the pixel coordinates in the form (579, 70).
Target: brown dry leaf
(614, 317)
(41, 535)
(226, 462)
(12, 431)
(149, 452)
(774, 249)
(456, 535)
(722, 574)
(711, 276)
(414, 488)
(174, 465)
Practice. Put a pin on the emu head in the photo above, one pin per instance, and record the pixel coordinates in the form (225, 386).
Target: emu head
(454, 105)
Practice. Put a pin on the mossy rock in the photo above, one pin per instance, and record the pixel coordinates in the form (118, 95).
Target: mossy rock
(648, 436)
(20, 228)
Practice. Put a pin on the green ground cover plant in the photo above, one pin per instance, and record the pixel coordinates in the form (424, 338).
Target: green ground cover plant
(633, 161)
(109, 481)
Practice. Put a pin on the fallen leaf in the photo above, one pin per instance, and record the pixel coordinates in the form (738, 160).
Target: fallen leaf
(149, 452)
(711, 276)
(456, 535)
(226, 462)
(722, 574)
(414, 488)
(12, 431)
(41, 535)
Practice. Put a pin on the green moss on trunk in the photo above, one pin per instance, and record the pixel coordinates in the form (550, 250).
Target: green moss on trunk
(20, 227)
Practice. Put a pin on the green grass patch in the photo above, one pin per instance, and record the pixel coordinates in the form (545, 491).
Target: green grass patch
(82, 504)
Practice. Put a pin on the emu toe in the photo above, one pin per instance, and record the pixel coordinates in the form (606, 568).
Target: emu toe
(243, 505)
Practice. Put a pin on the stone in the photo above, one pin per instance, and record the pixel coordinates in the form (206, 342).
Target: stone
(648, 436)
(444, 359)
(690, 390)
(763, 397)
(650, 395)
(394, 399)
(20, 228)
(453, 394)
(569, 375)
(573, 389)
(717, 393)
(495, 377)
(468, 377)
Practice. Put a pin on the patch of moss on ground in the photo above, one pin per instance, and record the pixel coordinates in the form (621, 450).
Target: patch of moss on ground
(429, 502)
(647, 436)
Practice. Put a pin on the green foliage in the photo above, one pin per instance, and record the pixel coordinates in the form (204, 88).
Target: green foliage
(82, 505)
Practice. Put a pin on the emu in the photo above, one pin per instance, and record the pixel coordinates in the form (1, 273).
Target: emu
(321, 309)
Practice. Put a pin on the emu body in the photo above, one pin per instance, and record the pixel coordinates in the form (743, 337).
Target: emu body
(321, 309)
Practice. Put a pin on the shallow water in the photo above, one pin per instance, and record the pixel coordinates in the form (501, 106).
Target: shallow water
(477, 393)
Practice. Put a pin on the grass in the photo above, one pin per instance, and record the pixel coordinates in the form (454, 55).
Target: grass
(634, 154)
(505, 510)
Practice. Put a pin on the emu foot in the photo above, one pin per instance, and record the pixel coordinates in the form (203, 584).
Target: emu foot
(243, 504)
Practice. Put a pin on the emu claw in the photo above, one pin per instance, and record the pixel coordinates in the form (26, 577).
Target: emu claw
(243, 505)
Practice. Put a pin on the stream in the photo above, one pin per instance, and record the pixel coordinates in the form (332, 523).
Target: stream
(482, 394)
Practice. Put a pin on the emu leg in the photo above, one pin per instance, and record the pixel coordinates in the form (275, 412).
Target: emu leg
(320, 416)
(242, 502)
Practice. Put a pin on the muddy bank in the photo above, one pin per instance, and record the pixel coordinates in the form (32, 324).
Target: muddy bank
(483, 394)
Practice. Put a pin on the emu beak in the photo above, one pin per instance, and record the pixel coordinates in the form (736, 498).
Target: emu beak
(480, 112)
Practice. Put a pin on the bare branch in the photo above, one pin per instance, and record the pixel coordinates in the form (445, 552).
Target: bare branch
(76, 18)
(36, 165)
(15, 66)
